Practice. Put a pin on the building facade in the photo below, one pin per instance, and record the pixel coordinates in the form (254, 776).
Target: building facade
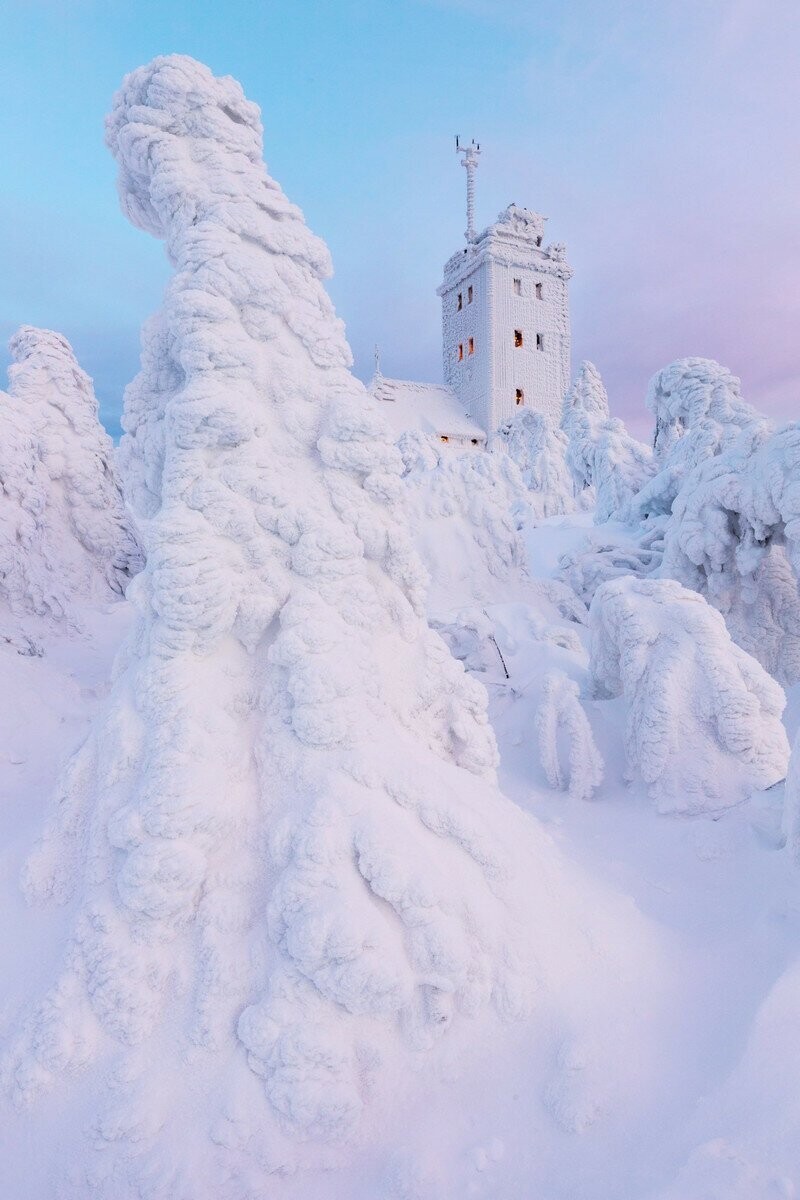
(505, 321)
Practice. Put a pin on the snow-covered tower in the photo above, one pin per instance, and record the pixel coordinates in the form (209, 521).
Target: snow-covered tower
(505, 315)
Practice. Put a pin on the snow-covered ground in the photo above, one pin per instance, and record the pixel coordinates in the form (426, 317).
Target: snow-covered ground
(692, 1092)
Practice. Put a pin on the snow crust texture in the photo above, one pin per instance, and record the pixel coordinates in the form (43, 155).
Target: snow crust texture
(285, 822)
(703, 723)
(601, 454)
(65, 537)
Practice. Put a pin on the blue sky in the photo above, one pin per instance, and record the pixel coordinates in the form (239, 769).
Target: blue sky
(659, 137)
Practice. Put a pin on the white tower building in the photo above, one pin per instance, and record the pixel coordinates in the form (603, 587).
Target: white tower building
(505, 315)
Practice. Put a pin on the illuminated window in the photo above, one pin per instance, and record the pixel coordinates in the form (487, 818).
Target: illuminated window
(518, 287)
(460, 303)
(519, 396)
(540, 341)
(471, 346)
(517, 338)
(444, 438)
(460, 351)
(469, 294)
(538, 291)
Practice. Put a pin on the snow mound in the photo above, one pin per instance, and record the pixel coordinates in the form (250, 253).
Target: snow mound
(734, 536)
(560, 712)
(699, 413)
(601, 453)
(539, 450)
(703, 722)
(283, 843)
(65, 537)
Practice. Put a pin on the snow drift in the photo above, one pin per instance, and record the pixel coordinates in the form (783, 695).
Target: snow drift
(286, 853)
(65, 537)
(703, 724)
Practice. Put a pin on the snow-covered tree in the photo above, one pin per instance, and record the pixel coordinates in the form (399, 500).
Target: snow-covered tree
(539, 450)
(286, 847)
(734, 536)
(612, 554)
(601, 453)
(65, 537)
(703, 724)
(466, 511)
(560, 713)
(699, 412)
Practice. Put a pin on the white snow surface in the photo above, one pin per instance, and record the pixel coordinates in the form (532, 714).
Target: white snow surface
(302, 945)
(65, 537)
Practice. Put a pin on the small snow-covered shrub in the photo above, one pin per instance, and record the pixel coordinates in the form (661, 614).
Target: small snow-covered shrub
(65, 536)
(560, 712)
(601, 453)
(703, 725)
(699, 412)
(734, 536)
(539, 450)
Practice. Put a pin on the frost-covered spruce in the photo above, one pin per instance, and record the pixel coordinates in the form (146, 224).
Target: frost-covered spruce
(601, 453)
(539, 450)
(65, 537)
(560, 713)
(703, 726)
(699, 412)
(734, 536)
(466, 511)
(284, 840)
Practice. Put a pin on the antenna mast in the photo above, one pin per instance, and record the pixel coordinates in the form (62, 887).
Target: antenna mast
(470, 162)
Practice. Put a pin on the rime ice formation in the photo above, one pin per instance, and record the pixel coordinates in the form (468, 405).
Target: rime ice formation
(608, 555)
(699, 412)
(601, 453)
(539, 450)
(703, 723)
(285, 823)
(734, 536)
(65, 537)
(560, 710)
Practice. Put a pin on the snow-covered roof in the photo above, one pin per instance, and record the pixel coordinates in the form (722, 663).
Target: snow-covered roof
(431, 408)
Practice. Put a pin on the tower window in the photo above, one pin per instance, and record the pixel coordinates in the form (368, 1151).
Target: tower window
(517, 338)
(471, 346)
(519, 396)
(460, 302)
(518, 287)
(539, 240)
(540, 341)
(469, 294)
(444, 438)
(460, 351)
(538, 291)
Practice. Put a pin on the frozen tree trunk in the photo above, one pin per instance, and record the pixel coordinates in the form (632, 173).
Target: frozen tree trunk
(286, 824)
(703, 725)
(66, 539)
(560, 709)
